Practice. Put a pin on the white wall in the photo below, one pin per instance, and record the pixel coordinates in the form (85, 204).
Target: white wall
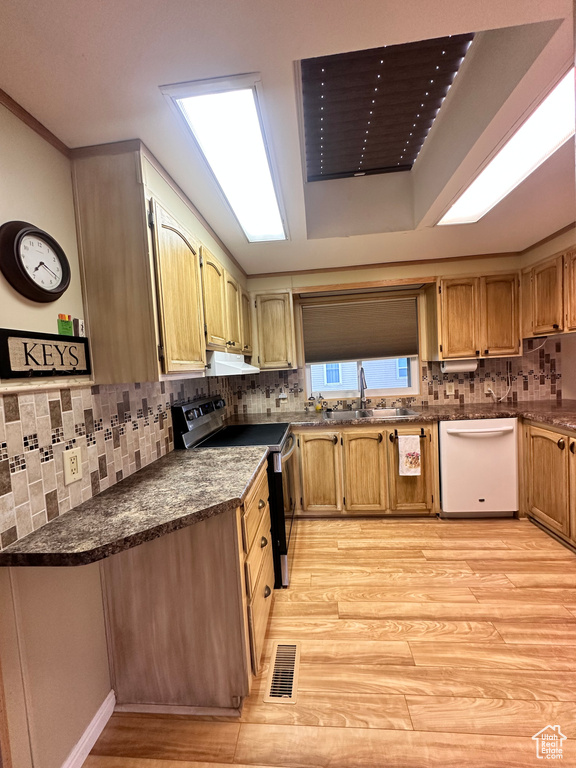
(35, 186)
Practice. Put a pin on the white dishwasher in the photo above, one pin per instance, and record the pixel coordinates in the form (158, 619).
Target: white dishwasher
(479, 468)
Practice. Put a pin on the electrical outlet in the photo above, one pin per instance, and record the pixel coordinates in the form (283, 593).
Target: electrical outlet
(72, 465)
(449, 387)
(487, 387)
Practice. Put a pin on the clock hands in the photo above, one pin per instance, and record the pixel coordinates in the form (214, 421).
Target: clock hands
(45, 267)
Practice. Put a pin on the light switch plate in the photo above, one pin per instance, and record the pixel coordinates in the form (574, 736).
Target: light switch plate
(72, 465)
(449, 387)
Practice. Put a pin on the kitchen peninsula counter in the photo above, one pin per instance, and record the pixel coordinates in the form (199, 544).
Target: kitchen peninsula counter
(176, 491)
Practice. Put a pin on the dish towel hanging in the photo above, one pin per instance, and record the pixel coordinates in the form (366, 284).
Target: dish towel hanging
(409, 455)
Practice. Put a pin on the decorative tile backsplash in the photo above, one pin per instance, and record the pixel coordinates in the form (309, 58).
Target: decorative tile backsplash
(122, 428)
(534, 376)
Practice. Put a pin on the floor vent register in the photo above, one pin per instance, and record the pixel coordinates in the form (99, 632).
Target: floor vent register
(282, 684)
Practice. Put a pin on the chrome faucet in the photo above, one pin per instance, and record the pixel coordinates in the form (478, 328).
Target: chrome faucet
(362, 388)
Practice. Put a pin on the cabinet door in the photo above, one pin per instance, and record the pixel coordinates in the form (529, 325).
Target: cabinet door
(232, 290)
(214, 301)
(548, 492)
(570, 289)
(547, 303)
(459, 313)
(246, 323)
(572, 485)
(179, 295)
(412, 494)
(526, 303)
(321, 472)
(364, 471)
(275, 330)
(500, 322)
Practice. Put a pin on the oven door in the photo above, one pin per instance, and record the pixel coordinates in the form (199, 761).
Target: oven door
(282, 507)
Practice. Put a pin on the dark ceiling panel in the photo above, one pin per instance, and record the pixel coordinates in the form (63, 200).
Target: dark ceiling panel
(370, 111)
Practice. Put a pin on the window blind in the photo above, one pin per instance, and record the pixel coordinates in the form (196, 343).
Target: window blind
(360, 329)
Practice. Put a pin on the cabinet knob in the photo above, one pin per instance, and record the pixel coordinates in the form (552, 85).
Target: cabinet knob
(263, 542)
(289, 364)
(261, 504)
(267, 591)
(335, 439)
(477, 351)
(572, 446)
(380, 437)
(486, 351)
(561, 444)
(555, 326)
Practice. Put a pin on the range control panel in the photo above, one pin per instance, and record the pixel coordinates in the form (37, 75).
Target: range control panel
(193, 421)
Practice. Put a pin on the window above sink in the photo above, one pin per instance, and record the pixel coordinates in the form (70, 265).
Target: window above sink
(384, 377)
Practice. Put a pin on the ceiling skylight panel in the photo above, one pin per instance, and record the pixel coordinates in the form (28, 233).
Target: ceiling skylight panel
(545, 131)
(227, 127)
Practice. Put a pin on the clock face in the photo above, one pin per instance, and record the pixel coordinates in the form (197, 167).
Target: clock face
(41, 262)
(33, 262)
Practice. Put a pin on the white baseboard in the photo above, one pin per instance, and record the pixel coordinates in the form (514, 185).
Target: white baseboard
(90, 736)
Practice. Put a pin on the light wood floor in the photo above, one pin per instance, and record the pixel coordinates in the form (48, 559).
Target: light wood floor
(423, 644)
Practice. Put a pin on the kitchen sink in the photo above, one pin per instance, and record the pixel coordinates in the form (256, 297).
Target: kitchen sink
(370, 413)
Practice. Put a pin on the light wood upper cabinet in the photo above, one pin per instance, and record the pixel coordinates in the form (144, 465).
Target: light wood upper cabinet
(459, 317)
(364, 471)
(179, 295)
(246, 313)
(412, 494)
(570, 289)
(275, 330)
(547, 299)
(499, 316)
(321, 471)
(141, 282)
(548, 478)
(232, 292)
(214, 301)
(480, 316)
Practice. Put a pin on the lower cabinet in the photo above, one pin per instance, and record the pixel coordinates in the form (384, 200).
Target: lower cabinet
(413, 494)
(321, 471)
(186, 613)
(355, 470)
(365, 475)
(551, 479)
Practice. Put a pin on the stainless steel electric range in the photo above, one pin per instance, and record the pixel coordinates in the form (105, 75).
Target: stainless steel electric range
(200, 425)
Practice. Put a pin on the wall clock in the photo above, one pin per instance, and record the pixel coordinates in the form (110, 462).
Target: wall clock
(33, 262)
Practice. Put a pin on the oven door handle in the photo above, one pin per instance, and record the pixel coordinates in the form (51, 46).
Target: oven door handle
(285, 456)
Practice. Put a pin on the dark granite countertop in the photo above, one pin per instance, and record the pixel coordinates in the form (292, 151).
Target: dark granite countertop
(545, 412)
(176, 491)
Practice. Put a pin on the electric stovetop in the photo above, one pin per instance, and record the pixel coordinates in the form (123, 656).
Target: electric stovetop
(270, 435)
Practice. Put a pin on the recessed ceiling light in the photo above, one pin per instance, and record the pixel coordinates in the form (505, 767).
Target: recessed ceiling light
(224, 118)
(545, 131)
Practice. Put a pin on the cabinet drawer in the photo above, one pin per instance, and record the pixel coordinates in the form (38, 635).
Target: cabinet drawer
(260, 548)
(259, 608)
(253, 508)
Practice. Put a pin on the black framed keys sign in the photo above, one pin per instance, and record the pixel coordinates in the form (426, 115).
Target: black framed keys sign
(26, 354)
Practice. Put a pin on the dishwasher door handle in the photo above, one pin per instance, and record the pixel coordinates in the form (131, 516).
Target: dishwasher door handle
(479, 431)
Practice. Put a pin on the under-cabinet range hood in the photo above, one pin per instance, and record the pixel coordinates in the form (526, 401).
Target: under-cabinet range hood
(225, 364)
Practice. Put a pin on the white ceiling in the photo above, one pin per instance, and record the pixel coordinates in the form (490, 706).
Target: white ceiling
(91, 73)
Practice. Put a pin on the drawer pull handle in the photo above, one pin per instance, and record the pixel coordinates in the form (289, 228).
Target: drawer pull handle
(267, 591)
(263, 542)
(261, 504)
(561, 444)
(335, 440)
(572, 447)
